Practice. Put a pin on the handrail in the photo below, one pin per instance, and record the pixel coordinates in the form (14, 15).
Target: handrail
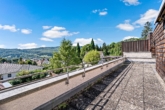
(35, 81)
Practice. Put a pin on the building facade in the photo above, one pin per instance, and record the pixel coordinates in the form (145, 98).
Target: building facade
(157, 40)
(10, 70)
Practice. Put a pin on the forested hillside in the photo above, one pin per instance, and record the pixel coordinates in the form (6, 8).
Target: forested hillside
(28, 53)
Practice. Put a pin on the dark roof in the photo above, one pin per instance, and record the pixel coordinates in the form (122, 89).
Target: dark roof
(12, 68)
(161, 12)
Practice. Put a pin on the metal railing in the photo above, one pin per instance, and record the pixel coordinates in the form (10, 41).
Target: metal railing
(82, 68)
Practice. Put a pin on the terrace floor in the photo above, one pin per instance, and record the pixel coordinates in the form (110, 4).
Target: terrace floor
(140, 89)
(137, 89)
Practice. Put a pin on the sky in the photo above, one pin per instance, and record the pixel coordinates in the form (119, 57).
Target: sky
(26, 24)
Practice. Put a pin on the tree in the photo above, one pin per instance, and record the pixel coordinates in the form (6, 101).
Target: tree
(2, 60)
(65, 57)
(115, 49)
(105, 49)
(86, 48)
(78, 50)
(131, 39)
(92, 57)
(20, 61)
(34, 63)
(29, 62)
(15, 60)
(146, 30)
(101, 49)
(97, 47)
(56, 62)
(92, 45)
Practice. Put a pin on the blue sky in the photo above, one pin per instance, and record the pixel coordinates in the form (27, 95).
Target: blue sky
(39, 23)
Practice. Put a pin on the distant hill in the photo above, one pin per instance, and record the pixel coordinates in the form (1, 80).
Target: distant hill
(28, 53)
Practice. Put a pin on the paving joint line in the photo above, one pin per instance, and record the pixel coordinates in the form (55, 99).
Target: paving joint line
(124, 89)
(122, 76)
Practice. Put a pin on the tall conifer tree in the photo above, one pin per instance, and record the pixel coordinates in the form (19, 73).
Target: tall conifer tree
(92, 45)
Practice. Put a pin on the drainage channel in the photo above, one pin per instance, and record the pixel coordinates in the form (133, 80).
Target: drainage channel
(81, 100)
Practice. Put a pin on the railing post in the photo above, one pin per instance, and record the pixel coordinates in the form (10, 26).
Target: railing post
(67, 81)
(102, 64)
(83, 75)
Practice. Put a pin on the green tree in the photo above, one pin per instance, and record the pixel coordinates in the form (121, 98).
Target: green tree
(92, 57)
(105, 49)
(115, 49)
(131, 39)
(20, 61)
(146, 30)
(29, 62)
(78, 50)
(97, 47)
(92, 45)
(101, 49)
(56, 62)
(15, 60)
(34, 63)
(2, 60)
(65, 57)
(86, 48)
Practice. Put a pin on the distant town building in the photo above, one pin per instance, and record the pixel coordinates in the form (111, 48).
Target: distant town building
(42, 62)
(10, 70)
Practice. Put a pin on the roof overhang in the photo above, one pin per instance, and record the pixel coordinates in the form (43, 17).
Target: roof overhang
(161, 12)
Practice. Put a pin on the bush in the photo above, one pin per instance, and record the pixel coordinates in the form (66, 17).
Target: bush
(92, 57)
(35, 76)
(73, 68)
(28, 79)
(42, 75)
(62, 106)
(22, 73)
(15, 82)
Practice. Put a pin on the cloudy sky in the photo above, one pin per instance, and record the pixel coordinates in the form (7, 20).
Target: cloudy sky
(38, 23)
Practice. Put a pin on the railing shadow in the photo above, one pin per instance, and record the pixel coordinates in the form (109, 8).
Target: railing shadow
(83, 100)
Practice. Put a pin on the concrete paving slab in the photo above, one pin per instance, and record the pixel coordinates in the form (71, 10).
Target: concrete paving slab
(139, 89)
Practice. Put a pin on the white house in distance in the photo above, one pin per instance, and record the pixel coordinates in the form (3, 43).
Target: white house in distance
(10, 70)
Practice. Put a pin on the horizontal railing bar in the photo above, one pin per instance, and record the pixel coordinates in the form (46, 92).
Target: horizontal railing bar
(35, 81)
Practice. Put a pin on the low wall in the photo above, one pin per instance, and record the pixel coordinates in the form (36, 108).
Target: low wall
(137, 54)
(151, 60)
(46, 94)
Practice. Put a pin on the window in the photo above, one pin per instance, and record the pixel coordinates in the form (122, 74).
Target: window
(9, 75)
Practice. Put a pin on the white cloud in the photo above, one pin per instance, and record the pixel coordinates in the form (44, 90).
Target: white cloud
(58, 32)
(27, 46)
(126, 26)
(46, 27)
(26, 31)
(131, 2)
(46, 39)
(128, 37)
(98, 41)
(43, 45)
(11, 28)
(149, 16)
(2, 46)
(103, 13)
(84, 41)
(94, 11)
